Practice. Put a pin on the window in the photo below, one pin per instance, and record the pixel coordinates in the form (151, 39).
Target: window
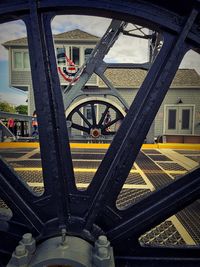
(61, 55)
(74, 54)
(21, 60)
(172, 119)
(88, 51)
(185, 124)
(71, 52)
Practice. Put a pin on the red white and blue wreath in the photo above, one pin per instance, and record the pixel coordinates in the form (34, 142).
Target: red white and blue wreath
(69, 71)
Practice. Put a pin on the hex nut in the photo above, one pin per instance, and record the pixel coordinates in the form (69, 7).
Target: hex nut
(102, 240)
(20, 250)
(103, 252)
(27, 238)
(29, 242)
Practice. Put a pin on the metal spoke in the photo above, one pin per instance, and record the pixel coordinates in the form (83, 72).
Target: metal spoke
(93, 114)
(18, 197)
(156, 208)
(109, 133)
(80, 127)
(103, 116)
(120, 157)
(84, 118)
(59, 179)
(110, 123)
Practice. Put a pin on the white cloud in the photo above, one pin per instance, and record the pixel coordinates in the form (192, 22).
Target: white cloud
(93, 25)
(191, 60)
(10, 31)
(126, 49)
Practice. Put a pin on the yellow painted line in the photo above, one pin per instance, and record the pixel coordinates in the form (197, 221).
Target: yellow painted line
(19, 145)
(151, 187)
(34, 184)
(29, 154)
(85, 185)
(145, 178)
(89, 145)
(101, 146)
(183, 161)
(27, 169)
(179, 146)
(182, 231)
(75, 169)
(176, 172)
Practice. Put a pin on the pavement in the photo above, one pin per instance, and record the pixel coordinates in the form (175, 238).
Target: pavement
(155, 166)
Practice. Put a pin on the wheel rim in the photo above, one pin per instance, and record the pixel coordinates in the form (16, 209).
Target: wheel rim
(34, 218)
(95, 127)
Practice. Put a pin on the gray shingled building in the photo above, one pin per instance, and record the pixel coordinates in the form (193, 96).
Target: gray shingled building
(179, 113)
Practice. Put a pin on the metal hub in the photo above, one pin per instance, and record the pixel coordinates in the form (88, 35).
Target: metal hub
(65, 251)
(95, 132)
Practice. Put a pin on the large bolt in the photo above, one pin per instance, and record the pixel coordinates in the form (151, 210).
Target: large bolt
(102, 240)
(27, 238)
(102, 252)
(20, 250)
(29, 242)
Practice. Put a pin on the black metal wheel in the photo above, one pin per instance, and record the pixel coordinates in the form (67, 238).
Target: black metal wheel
(90, 213)
(92, 124)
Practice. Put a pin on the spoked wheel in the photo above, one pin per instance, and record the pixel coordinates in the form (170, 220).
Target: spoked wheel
(96, 118)
(85, 215)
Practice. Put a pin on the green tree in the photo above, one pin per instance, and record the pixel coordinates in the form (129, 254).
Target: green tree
(6, 107)
(22, 109)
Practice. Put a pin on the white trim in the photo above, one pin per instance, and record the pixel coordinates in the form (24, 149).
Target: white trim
(179, 105)
(10, 65)
(86, 99)
(22, 85)
(193, 119)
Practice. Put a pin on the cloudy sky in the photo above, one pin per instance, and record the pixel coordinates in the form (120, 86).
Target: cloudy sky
(126, 49)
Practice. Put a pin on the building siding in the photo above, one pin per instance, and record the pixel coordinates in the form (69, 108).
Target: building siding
(185, 85)
(188, 96)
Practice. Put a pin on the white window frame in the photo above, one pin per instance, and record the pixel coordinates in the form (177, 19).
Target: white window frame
(23, 51)
(176, 106)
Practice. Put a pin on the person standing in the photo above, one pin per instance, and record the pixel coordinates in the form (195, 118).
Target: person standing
(35, 124)
(11, 124)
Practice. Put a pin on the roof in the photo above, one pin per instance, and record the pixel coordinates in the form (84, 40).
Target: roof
(133, 78)
(76, 35)
(71, 35)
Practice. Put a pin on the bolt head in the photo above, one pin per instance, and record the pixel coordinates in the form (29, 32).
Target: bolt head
(27, 238)
(102, 240)
(102, 252)
(20, 250)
